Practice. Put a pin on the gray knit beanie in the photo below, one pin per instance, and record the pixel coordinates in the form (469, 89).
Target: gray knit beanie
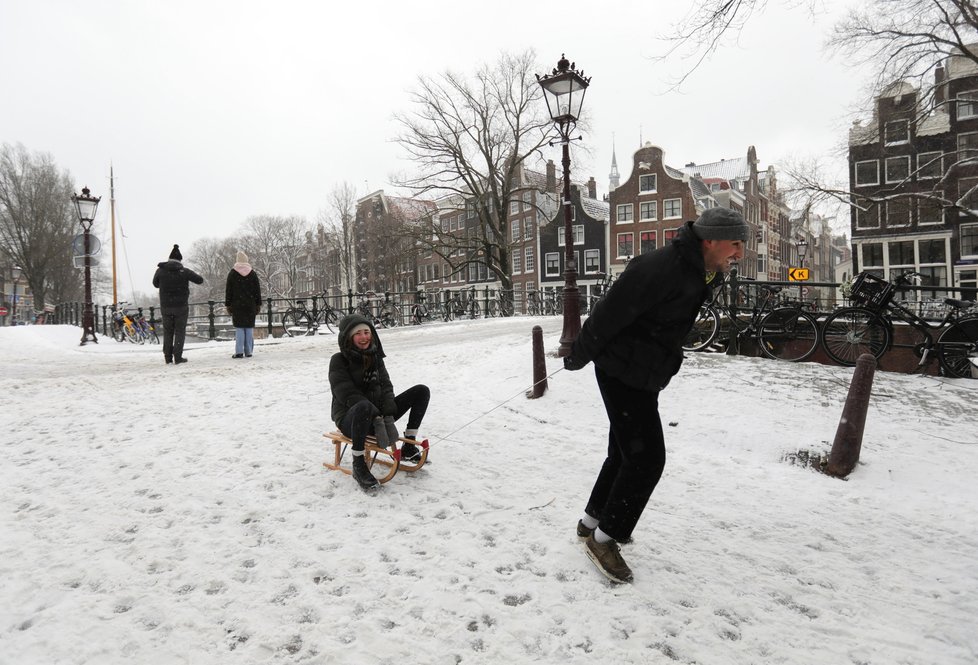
(721, 224)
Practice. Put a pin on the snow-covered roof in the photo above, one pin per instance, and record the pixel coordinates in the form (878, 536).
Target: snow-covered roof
(737, 168)
(595, 209)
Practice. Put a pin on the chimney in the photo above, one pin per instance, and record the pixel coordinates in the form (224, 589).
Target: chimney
(551, 176)
(940, 87)
(592, 188)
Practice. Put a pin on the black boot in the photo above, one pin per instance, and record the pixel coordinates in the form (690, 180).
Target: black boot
(362, 474)
(410, 452)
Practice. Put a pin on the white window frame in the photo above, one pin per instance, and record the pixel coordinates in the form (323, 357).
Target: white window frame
(905, 159)
(624, 207)
(552, 264)
(514, 207)
(618, 244)
(928, 160)
(922, 205)
(592, 261)
(655, 239)
(892, 208)
(514, 230)
(961, 232)
(967, 104)
(892, 134)
(876, 168)
(665, 206)
(861, 217)
(642, 207)
(642, 180)
(529, 260)
(517, 263)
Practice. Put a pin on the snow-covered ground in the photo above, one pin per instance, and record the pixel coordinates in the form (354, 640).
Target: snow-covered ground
(160, 514)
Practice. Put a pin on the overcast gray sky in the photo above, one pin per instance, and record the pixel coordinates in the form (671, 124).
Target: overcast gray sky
(212, 111)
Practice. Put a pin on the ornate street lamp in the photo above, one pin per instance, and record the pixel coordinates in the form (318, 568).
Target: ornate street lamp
(86, 205)
(564, 90)
(802, 251)
(14, 276)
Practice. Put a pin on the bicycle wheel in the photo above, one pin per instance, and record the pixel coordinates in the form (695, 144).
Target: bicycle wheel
(296, 323)
(118, 332)
(131, 335)
(704, 330)
(390, 317)
(788, 334)
(331, 318)
(506, 306)
(853, 331)
(446, 311)
(957, 349)
(492, 308)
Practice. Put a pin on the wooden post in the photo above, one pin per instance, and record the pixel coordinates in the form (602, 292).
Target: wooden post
(849, 436)
(539, 365)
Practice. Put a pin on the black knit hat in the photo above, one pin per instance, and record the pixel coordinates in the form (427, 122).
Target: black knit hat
(721, 224)
(175, 253)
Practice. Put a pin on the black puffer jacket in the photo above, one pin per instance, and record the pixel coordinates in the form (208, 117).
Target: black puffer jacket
(242, 297)
(356, 375)
(635, 333)
(173, 281)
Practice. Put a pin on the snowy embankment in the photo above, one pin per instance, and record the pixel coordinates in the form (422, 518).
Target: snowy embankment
(158, 514)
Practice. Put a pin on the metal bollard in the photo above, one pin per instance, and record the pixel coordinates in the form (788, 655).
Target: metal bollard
(849, 435)
(539, 365)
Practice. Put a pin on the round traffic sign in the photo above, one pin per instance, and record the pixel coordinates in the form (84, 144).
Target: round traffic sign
(3, 311)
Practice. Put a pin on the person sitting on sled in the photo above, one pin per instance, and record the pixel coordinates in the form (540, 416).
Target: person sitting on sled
(363, 396)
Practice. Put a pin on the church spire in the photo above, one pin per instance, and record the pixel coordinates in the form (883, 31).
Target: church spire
(613, 177)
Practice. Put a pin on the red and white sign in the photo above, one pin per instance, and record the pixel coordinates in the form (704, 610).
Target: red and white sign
(3, 311)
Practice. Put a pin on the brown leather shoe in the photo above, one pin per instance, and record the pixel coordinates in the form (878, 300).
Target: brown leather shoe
(607, 558)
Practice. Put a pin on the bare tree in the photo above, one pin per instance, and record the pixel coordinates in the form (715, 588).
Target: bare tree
(276, 246)
(212, 258)
(37, 223)
(468, 138)
(339, 237)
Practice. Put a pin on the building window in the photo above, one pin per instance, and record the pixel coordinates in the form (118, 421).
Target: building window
(553, 264)
(515, 229)
(969, 240)
(968, 145)
(624, 213)
(967, 104)
(867, 214)
(529, 260)
(968, 193)
(669, 235)
(760, 264)
(647, 242)
(444, 224)
(897, 132)
(646, 184)
(867, 173)
(528, 228)
(930, 211)
(872, 255)
(577, 230)
(672, 208)
(648, 211)
(592, 261)
(514, 207)
(897, 168)
(897, 212)
(626, 246)
(930, 165)
(517, 263)
(527, 197)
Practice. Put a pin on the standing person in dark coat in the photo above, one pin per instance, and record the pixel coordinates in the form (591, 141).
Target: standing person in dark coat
(363, 397)
(634, 336)
(242, 298)
(173, 281)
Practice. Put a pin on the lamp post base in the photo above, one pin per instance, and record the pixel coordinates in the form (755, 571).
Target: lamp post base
(572, 316)
(88, 327)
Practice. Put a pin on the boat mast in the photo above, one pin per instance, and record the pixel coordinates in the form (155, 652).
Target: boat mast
(115, 296)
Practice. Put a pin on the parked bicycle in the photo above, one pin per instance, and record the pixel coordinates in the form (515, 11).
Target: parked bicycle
(298, 320)
(463, 302)
(782, 333)
(419, 310)
(132, 326)
(869, 326)
(501, 304)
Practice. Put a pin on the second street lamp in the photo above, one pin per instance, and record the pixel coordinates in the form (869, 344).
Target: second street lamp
(564, 90)
(86, 205)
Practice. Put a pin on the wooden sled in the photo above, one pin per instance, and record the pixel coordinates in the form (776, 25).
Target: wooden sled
(372, 453)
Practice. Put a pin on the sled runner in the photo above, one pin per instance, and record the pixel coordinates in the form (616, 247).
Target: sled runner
(375, 454)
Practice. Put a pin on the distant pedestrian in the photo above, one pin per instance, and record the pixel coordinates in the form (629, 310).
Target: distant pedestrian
(173, 281)
(635, 335)
(242, 298)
